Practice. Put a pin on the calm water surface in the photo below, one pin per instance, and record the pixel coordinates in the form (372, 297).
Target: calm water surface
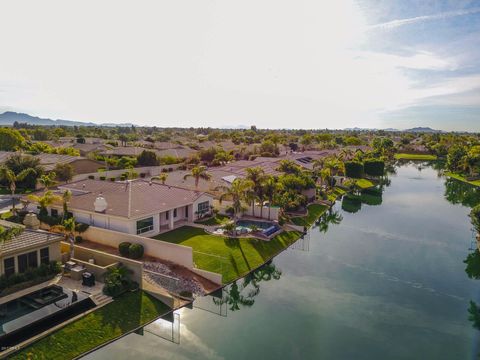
(387, 282)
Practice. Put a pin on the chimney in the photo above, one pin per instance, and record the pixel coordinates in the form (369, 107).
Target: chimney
(100, 204)
(31, 221)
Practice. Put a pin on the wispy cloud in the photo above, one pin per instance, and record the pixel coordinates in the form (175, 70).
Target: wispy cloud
(445, 15)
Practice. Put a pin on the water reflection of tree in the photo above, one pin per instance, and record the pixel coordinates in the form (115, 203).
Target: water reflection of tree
(243, 296)
(457, 192)
(473, 272)
(352, 203)
(328, 218)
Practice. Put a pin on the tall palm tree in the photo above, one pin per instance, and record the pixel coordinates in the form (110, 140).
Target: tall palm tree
(68, 229)
(162, 177)
(12, 179)
(270, 188)
(47, 199)
(257, 176)
(198, 172)
(238, 193)
(66, 197)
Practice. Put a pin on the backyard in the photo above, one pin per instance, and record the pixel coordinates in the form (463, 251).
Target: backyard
(314, 212)
(119, 317)
(424, 157)
(231, 257)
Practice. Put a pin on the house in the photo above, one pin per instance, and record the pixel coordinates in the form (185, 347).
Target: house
(132, 207)
(28, 250)
(81, 165)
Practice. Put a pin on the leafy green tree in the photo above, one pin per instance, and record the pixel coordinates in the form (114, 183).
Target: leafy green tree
(147, 158)
(17, 163)
(473, 265)
(47, 180)
(374, 167)
(162, 177)
(474, 315)
(10, 139)
(237, 192)
(64, 172)
(45, 200)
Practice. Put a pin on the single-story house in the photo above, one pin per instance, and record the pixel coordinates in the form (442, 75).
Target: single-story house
(132, 207)
(81, 165)
(28, 250)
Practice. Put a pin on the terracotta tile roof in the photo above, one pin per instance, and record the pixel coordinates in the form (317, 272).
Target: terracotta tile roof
(128, 199)
(26, 240)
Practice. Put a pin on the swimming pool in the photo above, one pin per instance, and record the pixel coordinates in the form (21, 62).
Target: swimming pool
(261, 225)
(36, 312)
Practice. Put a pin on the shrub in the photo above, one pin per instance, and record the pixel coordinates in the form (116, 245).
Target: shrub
(39, 273)
(103, 178)
(49, 220)
(123, 248)
(123, 177)
(112, 179)
(81, 227)
(354, 169)
(230, 210)
(78, 239)
(374, 167)
(91, 177)
(142, 175)
(136, 251)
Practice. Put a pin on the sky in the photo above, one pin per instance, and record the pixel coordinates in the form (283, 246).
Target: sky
(221, 63)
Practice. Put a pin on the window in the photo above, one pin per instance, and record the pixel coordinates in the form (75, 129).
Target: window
(44, 256)
(174, 213)
(32, 259)
(186, 211)
(167, 215)
(54, 212)
(27, 261)
(144, 225)
(203, 207)
(9, 266)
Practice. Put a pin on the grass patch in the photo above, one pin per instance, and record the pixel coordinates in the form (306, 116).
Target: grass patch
(214, 220)
(424, 157)
(364, 183)
(233, 258)
(462, 178)
(314, 212)
(6, 215)
(124, 314)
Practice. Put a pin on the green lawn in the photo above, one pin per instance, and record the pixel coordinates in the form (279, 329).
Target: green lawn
(233, 258)
(6, 215)
(216, 220)
(424, 157)
(364, 183)
(462, 178)
(124, 314)
(314, 212)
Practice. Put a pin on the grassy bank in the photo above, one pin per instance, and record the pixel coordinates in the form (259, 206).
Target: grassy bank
(115, 319)
(462, 178)
(314, 212)
(424, 157)
(233, 258)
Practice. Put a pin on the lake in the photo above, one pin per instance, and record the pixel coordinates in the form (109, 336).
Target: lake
(379, 281)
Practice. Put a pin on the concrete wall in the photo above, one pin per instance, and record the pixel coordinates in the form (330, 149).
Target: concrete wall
(149, 170)
(182, 255)
(103, 261)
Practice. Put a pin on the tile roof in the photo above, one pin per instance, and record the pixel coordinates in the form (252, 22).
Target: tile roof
(128, 199)
(26, 240)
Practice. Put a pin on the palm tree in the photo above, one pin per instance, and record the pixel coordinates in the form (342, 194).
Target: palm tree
(238, 193)
(47, 180)
(162, 177)
(47, 199)
(12, 178)
(198, 172)
(257, 176)
(68, 229)
(270, 188)
(66, 197)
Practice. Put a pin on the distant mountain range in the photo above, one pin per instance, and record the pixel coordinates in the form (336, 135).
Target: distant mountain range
(413, 130)
(9, 117)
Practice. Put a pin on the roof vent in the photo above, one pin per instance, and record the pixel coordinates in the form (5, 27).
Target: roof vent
(100, 204)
